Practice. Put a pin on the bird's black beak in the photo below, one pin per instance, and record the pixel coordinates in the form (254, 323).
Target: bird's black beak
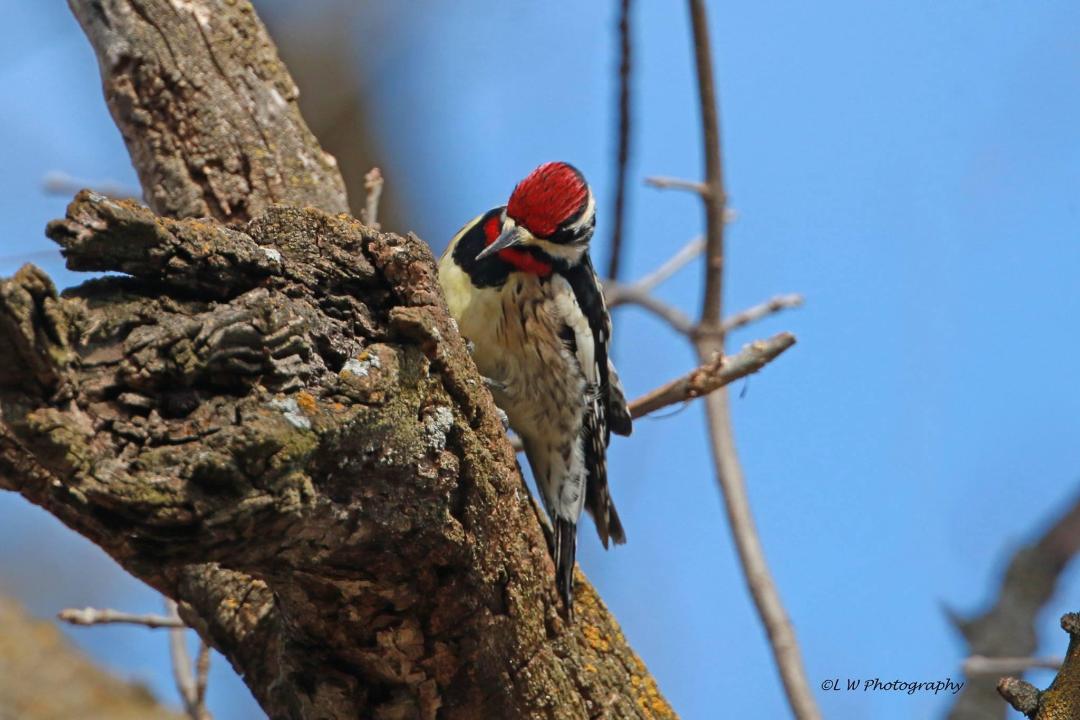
(510, 236)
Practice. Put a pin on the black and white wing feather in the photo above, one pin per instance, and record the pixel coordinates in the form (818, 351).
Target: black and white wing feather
(607, 411)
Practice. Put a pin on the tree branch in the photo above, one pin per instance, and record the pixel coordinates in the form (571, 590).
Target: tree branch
(308, 460)
(1007, 628)
(670, 183)
(981, 665)
(710, 344)
(616, 294)
(623, 153)
(208, 111)
(758, 312)
(1061, 700)
(274, 422)
(712, 375)
(192, 691)
(373, 185)
(44, 677)
(91, 616)
(672, 265)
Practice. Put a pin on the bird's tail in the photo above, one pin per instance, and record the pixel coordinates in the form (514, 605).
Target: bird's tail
(599, 504)
(565, 550)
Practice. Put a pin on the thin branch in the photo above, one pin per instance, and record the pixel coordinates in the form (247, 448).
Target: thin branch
(202, 672)
(712, 375)
(714, 198)
(623, 153)
(181, 662)
(93, 616)
(706, 378)
(757, 312)
(373, 184)
(190, 692)
(982, 665)
(709, 346)
(616, 294)
(672, 183)
(672, 265)
(60, 183)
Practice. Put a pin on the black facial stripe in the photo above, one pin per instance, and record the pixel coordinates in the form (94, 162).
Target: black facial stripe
(492, 271)
(565, 236)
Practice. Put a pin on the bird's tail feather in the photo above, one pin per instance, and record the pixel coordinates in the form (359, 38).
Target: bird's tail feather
(565, 550)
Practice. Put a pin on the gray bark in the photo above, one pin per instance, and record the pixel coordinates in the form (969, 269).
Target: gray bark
(272, 419)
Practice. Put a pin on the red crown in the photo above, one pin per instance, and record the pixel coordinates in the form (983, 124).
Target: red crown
(550, 195)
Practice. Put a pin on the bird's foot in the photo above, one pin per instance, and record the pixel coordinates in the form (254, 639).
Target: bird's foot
(503, 418)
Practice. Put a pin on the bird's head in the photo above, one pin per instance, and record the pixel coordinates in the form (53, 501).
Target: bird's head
(552, 210)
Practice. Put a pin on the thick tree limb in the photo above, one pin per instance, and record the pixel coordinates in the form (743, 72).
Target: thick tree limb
(1060, 701)
(1007, 628)
(317, 427)
(275, 423)
(207, 110)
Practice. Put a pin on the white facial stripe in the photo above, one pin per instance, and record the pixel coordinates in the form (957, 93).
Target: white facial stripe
(570, 253)
(586, 216)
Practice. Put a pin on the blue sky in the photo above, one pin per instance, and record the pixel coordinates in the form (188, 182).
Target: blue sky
(911, 168)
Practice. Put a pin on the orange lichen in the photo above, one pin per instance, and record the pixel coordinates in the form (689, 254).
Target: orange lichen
(595, 639)
(306, 402)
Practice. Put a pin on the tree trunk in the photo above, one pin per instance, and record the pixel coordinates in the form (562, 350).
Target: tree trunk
(274, 421)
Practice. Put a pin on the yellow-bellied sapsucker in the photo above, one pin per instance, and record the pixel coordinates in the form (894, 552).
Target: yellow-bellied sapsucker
(519, 282)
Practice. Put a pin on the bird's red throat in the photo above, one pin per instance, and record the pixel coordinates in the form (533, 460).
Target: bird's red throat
(522, 260)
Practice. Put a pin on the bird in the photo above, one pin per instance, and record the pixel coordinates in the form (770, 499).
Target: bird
(520, 284)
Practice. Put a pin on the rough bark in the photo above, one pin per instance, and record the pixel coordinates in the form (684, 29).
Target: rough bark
(207, 109)
(275, 423)
(291, 402)
(1060, 701)
(42, 677)
(1007, 628)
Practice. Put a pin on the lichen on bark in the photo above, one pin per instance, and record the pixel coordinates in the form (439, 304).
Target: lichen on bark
(270, 417)
(286, 409)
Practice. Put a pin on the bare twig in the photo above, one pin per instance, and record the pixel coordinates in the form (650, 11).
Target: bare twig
(616, 294)
(710, 344)
(713, 197)
(94, 616)
(1022, 695)
(373, 184)
(706, 378)
(623, 153)
(757, 312)
(189, 688)
(672, 265)
(671, 183)
(60, 183)
(982, 665)
(712, 375)
(202, 672)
